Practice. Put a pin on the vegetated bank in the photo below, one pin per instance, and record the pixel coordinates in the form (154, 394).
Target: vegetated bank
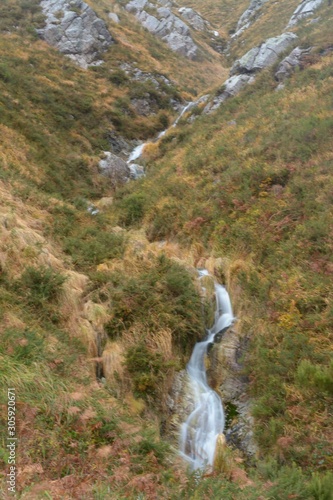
(258, 193)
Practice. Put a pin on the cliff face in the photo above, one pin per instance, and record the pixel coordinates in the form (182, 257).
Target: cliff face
(75, 30)
(99, 301)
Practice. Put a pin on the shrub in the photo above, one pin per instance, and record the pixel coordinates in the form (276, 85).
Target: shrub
(40, 285)
(92, 246)
(118, 77)
(145, 368)
(319, 378)
(133, 209)
(161, 297)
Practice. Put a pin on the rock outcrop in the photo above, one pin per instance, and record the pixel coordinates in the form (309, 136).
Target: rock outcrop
(226, 366)
(75, 30)
(115, 169)
(264, 55)
(248, 16)
(193, 18)
(230, 88)
(305, 9)
(290, 63)
(136, 171)
(165, 25)
(244, 70)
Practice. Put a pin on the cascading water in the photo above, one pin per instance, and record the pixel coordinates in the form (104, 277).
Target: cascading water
(200, 431)
(137, 152)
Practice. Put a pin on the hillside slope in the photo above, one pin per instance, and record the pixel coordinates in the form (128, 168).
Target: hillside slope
(99, 302)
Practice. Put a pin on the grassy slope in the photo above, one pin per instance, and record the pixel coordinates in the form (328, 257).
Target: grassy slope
(55, 121)
(85, 441)
(259, 192)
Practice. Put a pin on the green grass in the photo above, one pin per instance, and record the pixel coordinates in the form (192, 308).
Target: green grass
(251, 184)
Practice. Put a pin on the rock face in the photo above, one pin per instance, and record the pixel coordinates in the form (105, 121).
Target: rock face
(165, 25)
(291, 63)
(226, 366)
(230, 88)
(305, 9)
(248, 16)
(244, 69)
(136, 171)
(180, 403)
(115, 169)
(264, 55)
(193, 18)
(75, 30)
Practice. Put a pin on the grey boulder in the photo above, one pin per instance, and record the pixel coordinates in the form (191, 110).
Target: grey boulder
(115, 169)
(114, 17)
(193, 18)
(136, 171)
(305, 9)
(230, 88)
(290, 63)
(264, 55)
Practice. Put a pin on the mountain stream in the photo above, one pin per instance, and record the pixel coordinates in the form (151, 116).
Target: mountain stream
(202, 427)
(137, 152)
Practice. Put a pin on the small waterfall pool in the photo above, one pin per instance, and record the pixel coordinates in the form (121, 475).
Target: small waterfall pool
(202, 427)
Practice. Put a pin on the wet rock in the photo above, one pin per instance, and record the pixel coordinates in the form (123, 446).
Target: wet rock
(114, 168)
(180, 403)
(305, 9)
(136, 171)
(264, 55)
(119, 145)
(75, 30)
(290, 63)
(226, 371)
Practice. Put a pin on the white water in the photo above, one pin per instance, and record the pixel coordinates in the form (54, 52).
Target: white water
(137, 152)
(200, 431)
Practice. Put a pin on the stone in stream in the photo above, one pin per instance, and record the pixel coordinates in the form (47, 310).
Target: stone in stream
(114, 168)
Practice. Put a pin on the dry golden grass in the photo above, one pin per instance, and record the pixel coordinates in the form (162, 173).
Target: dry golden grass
(113, 363)
(146, 51)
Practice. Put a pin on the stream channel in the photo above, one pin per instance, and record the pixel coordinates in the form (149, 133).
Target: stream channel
(201, 429)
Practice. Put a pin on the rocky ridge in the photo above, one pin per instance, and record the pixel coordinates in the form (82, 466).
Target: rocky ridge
(289, 64)
(305, 9)
(248, 16)
(263, 55)
(75, 30)
(244, 70)
(165, 25)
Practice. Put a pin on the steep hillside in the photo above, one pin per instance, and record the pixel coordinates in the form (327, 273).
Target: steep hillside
(100, 304)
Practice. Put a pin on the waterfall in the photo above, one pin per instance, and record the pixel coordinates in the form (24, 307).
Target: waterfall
(137, 152)
(201, 429)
